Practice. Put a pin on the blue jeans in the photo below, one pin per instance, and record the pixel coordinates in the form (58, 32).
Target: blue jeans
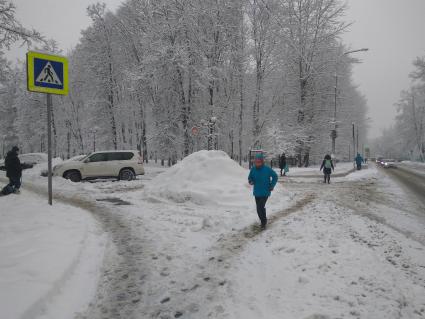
(15, 182)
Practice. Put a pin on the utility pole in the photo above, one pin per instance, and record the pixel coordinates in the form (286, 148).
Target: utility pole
(357, 148)
(334, 133)
(349, 151)
(354, 142)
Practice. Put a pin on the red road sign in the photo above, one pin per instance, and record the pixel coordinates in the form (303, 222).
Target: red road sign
(195, 130)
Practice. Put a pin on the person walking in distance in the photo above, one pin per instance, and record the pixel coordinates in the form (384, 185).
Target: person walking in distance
(359, 160)
(264, 179)
(13, 169)
(282, 164)
(328, 167)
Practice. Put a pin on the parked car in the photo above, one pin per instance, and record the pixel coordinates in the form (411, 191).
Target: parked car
(76, 158)
(45, 172)
(124, 165)
(389, 163)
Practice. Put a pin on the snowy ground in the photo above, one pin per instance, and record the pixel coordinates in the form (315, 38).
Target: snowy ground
(340, 168)
(50, 258)
(184, 243)
(417, 167)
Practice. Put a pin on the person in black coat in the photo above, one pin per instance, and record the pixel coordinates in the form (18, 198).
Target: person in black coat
(328, 167)
(13, 169)
(282, 164)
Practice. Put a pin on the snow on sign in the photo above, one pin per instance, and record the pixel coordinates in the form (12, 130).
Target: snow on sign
(47, 73)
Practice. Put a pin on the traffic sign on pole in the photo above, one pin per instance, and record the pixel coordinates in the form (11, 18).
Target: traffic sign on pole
(48, 74)
(195, 131)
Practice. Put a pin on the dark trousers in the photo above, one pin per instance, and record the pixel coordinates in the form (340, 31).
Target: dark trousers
(327, 174)
(261, 209)
(15, 182)
(359, 167)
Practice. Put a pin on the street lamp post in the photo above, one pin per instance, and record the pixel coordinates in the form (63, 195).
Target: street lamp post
(334, 133)
(94, 131)
(354, 142)
(356, 136)
(68, 138)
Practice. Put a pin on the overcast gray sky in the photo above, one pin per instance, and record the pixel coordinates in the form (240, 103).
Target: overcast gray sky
(392, 29)
(394, 32)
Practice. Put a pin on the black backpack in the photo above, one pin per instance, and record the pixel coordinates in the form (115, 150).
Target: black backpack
(7, 190)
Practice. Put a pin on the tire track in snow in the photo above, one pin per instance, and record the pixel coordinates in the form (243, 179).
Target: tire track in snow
(381, 240)
(360, 195)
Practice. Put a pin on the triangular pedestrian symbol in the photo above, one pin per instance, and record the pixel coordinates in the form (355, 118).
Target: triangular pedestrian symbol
(48, 75)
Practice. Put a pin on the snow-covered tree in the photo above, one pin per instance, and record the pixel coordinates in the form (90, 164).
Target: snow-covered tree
(407, 136)
(246, 73)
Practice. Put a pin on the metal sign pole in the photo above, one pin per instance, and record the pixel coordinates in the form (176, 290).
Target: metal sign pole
(49, 145)
(47, 73)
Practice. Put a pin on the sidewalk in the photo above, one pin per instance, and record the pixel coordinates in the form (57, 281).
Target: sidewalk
(50, 258)
(341, 169)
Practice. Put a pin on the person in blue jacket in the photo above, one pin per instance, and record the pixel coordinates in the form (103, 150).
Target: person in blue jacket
(264, 179)
(359, 160)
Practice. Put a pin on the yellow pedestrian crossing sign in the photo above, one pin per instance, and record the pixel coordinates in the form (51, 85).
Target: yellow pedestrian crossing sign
(47, 73)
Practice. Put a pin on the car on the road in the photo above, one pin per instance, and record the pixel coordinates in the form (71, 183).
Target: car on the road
(389, 163)
(124, 165)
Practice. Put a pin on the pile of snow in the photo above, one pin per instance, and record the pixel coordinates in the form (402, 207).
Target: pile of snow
(412, 163)
(363, 174)
(205, 177)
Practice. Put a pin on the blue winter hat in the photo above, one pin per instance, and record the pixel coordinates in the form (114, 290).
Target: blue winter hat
(259, 156)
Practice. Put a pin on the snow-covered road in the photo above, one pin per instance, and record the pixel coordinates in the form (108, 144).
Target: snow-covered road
(412, 179)
(352, 249)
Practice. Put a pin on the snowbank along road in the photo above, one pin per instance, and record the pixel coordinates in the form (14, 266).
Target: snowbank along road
(352, 249)
(412, 180)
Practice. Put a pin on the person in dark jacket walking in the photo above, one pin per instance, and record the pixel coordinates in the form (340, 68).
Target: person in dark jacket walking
(13, 169)
(264, 179)
(328, 167)
(282, 164)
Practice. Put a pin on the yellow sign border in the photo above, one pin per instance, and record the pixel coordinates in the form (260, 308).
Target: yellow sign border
(30, 73)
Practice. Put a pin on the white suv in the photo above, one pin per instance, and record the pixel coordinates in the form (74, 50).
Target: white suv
(124, 165)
